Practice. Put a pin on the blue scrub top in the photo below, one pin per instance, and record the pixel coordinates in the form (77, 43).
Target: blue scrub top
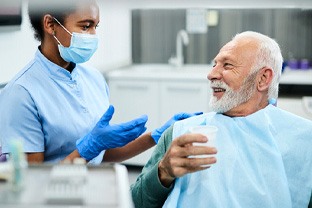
(48, 108)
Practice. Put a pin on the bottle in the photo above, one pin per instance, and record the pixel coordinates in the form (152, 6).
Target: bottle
(304, 64)
(19, 164)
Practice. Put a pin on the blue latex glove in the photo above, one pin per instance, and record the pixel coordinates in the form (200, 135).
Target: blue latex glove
(106, 136)
(156, 134)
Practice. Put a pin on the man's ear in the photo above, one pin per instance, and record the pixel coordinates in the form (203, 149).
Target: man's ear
(48, 24)
(264, 78)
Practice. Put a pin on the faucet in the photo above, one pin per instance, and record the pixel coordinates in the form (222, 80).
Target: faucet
(182, 38)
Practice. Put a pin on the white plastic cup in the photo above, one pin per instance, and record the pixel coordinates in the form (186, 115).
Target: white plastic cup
(210, 132)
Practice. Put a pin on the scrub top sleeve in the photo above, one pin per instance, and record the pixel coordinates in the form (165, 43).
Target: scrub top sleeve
(20, 120)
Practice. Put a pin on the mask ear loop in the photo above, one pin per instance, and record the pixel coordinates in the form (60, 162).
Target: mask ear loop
(62, 26)
(53, 33)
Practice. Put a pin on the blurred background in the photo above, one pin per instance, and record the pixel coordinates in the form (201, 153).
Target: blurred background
(154, 32)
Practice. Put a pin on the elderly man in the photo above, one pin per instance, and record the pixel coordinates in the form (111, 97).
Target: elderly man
(263, 155)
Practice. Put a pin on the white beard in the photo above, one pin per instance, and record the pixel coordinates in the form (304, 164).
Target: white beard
(231, 98)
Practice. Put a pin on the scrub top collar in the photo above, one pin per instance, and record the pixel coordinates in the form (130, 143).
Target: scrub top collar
(55, 70)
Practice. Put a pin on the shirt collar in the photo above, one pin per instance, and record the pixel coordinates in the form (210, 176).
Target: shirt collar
(54, 69)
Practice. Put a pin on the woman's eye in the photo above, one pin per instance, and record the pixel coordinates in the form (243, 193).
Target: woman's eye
(85, 27)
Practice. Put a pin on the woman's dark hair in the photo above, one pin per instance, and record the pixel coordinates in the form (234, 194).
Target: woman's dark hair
(37, 9)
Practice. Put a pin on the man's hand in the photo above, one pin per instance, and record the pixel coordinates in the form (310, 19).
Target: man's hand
(176, 161)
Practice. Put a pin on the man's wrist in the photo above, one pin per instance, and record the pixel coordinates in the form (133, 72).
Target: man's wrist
(164, 177)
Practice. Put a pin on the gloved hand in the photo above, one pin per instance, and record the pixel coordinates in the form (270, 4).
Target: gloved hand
(156, 134)
(105, 136)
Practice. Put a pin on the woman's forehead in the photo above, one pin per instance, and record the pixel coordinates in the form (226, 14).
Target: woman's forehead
(84, 12)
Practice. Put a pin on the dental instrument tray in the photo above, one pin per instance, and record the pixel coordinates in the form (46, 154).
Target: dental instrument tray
(65, 185)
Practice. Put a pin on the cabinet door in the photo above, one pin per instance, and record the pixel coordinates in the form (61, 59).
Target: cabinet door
(299, 106)
(132, 99)
(183, 96)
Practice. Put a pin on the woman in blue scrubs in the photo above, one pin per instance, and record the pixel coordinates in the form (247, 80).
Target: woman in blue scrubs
(59, 108)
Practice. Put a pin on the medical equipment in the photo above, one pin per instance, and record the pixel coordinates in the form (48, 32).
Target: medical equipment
(65, 185)
(12, 170)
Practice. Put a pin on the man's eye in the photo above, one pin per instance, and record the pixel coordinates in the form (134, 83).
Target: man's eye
(227, 65)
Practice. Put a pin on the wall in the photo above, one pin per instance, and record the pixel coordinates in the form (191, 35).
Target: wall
(161, 4)
(18, 45)
(155, 30)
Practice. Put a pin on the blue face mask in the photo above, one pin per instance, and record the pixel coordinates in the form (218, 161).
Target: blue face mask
(82, 46)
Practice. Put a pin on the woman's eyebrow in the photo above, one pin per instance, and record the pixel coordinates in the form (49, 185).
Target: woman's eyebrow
(91, 21)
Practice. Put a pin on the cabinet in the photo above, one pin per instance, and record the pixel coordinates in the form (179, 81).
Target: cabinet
(132, 98)
(295, 94)
(299, 106)
(159, 92)
(187, 96)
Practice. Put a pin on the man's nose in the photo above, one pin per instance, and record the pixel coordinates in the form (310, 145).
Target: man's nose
(215, 73)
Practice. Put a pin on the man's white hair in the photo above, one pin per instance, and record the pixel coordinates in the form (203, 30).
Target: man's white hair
(268, 55)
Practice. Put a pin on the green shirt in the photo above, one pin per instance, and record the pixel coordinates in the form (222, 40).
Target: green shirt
(147, 191)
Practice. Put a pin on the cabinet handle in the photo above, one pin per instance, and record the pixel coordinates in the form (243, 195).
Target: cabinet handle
(127, 87)
(185, 89)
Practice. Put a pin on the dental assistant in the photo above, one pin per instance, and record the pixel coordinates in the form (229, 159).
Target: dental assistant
(59, 108)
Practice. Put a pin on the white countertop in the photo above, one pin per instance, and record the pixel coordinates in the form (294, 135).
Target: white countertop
(196, 72)
(161, 72)
(298, 77)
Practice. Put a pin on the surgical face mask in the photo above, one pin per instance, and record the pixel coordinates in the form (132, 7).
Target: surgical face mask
(82, 46)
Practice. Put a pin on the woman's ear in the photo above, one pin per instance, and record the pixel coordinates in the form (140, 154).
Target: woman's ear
(48, 24)
(264, 79)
